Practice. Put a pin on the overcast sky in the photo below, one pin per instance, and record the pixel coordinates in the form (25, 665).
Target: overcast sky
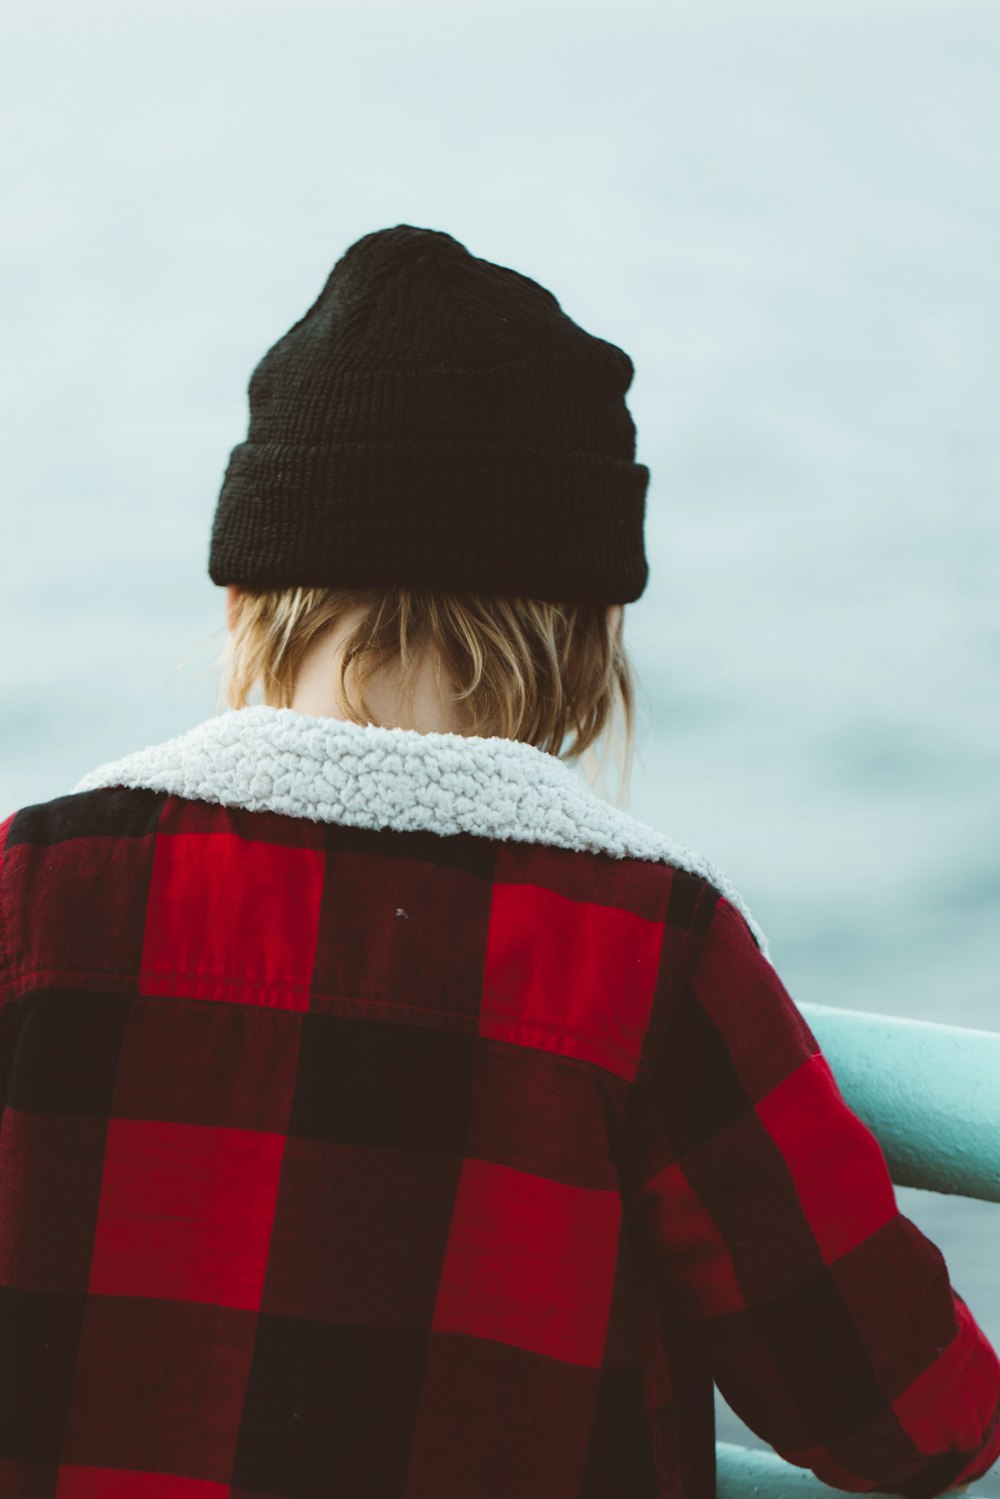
(786, 214)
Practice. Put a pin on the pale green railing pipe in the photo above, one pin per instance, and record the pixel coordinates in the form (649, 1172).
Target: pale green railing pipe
(744, 1472)
(930, 1094)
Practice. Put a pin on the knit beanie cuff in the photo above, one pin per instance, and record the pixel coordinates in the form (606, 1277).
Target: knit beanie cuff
(458, 516)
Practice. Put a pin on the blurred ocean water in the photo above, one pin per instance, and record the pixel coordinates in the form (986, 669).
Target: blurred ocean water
(785, 215)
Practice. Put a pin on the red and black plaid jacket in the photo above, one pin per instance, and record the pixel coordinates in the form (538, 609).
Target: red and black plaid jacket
(386, 1115)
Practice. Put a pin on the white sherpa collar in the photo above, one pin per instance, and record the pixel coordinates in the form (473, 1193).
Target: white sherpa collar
(331, 770)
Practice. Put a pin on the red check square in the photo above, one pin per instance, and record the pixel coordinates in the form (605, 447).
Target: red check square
(569, 976)
(530, 1262)
(126, 1483)
(839, 1172)
(185, 1212)
(230, 919)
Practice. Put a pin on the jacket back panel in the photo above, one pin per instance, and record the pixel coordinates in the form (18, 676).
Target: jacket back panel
(311, 1162)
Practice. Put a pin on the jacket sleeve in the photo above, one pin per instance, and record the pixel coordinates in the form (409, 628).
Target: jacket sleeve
(827, 1318)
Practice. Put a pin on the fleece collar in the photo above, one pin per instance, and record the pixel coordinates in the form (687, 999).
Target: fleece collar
(332, 770)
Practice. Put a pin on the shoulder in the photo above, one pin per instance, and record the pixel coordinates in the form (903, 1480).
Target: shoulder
(75, 838)
(74, 871)
(108, 811)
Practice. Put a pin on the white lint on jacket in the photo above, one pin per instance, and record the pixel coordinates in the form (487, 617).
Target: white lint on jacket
(332, 770)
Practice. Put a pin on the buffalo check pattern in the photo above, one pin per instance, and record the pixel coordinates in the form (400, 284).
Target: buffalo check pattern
(354, 1145)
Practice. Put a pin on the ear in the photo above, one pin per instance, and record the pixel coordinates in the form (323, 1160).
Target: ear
(233, 591)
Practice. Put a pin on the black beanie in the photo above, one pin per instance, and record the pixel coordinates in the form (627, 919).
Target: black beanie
(436, 420)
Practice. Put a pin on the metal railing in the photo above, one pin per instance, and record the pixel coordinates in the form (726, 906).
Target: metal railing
(931, 1096)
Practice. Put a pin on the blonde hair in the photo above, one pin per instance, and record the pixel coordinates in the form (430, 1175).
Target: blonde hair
(519, 668)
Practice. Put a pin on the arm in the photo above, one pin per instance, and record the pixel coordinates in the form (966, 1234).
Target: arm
(827, 1318)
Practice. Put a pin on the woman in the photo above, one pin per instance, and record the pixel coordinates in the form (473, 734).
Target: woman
(388, 1114)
